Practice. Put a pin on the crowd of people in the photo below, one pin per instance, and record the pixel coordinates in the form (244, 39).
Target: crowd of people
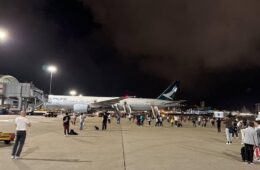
(250, 135)
(248, 129)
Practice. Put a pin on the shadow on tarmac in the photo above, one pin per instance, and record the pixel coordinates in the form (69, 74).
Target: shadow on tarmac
(216, 140)
(3, 145)
(235, 157)
(21, 165)
(79, 136)
(31, 150)
(55, 160)
(100, 130)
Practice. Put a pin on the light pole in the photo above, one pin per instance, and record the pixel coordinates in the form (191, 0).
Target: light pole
(51, 69)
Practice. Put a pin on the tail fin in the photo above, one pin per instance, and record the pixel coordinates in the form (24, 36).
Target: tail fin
(170, 92)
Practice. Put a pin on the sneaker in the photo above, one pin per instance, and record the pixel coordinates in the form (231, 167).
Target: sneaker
(251, 163)
(17, 157)
(227, 143)
(12, 157)
(242, 143)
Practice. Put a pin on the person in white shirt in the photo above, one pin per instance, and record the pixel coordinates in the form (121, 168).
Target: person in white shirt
(82, 118)
(250, 141)
(74, 119)
(109, 118)
(21, 123)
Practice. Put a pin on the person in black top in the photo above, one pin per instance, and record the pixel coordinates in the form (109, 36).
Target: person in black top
(194, 121)
(235, 129)
(104, 123)
(219, 125)
(66, 124)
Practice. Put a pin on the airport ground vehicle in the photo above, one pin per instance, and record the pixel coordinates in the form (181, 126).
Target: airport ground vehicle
(7, 137)
(3, 110)
(50, 114)
(44, 113)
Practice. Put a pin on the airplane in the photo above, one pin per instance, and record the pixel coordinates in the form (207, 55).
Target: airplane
(80, 104)
(127, 104)
(164, 100)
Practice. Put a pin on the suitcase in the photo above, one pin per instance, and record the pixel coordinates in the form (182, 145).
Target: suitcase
(243, 153)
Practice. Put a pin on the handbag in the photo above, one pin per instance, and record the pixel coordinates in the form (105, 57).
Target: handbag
(256, 152)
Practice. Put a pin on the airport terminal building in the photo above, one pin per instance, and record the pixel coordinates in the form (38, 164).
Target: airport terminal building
(16, 96)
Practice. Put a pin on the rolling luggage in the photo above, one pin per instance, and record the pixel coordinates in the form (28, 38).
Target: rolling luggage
(243, 153)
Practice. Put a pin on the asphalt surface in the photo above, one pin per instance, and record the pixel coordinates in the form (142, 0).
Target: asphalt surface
(120, 147)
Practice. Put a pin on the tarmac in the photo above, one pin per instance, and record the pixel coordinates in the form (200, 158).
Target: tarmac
(120, 147)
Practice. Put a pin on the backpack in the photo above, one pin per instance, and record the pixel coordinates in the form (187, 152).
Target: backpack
(72, 132)
(66, 120)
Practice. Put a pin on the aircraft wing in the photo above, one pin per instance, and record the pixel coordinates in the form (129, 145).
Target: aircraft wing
(174, 103)
(107, 103)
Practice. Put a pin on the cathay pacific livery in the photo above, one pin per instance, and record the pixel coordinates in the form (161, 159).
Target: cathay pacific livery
(127, 104)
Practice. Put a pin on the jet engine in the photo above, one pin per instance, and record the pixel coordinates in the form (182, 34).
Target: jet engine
(81, 108)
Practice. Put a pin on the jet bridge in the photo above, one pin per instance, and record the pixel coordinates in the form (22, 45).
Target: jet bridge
(19, 96)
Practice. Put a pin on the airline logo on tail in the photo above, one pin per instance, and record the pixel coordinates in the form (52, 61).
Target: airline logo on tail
(169, 93)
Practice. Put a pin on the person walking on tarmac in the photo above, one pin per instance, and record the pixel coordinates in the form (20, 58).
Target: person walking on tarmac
(194, 121)
(250, 142)
(235, 129)
(219, 124)
(66, 124)
(74, 119)
(109, 118)
(229, 128)
(21, 123)
(104, 122)
(82, 118)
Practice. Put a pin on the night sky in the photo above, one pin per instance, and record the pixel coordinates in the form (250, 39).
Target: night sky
(133, 47)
